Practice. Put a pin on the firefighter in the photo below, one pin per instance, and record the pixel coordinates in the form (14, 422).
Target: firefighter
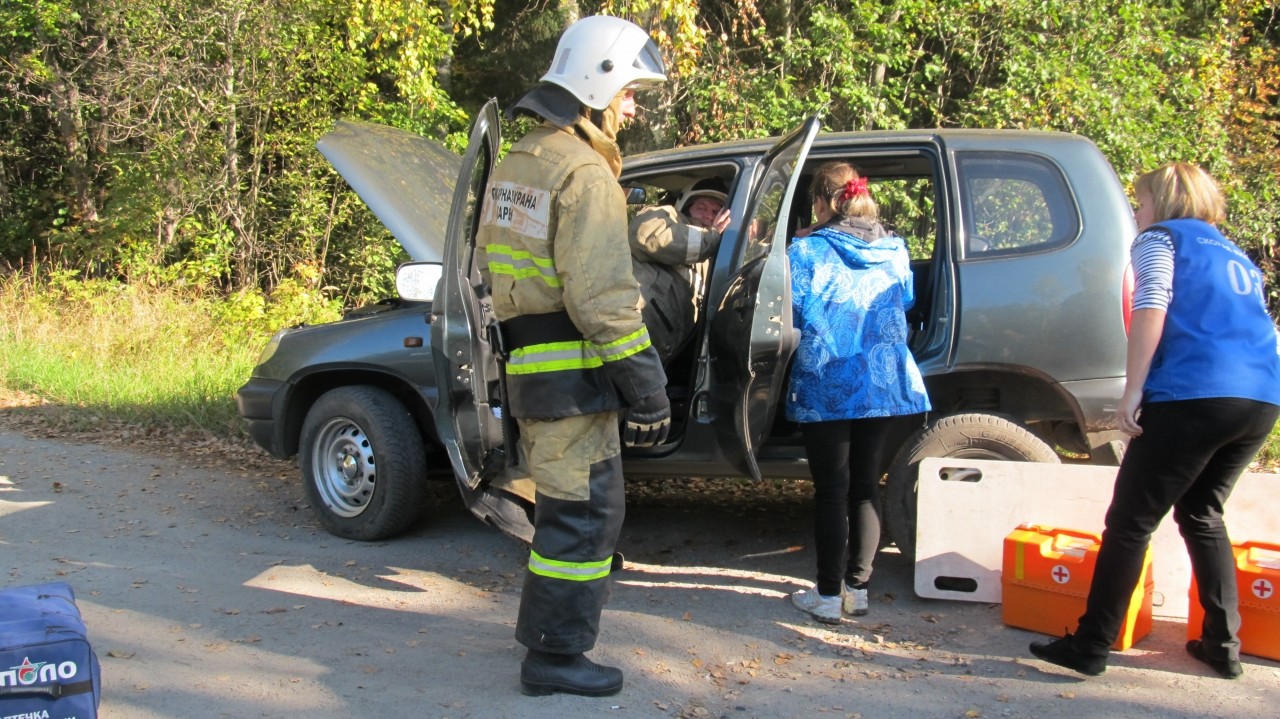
(553, 241)
(669, 246)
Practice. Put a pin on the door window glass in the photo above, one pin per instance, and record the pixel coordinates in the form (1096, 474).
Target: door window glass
(762, 222)
(1014, 203)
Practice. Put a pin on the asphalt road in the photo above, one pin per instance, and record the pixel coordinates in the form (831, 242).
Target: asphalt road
(210, 592)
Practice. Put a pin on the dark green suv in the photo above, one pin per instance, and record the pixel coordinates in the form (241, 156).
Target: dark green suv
(1020, 252)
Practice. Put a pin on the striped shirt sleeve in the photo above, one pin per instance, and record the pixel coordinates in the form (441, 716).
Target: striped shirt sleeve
(1152, 257)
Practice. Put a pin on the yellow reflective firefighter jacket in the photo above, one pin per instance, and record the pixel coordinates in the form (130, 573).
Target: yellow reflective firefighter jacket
(553, 249)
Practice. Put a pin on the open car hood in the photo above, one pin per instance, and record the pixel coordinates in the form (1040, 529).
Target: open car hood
(406, 179)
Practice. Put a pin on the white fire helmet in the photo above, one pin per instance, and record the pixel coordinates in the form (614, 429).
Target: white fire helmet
(599, 56)
(707, 187)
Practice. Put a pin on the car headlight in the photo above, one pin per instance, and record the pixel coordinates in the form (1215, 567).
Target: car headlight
(272, 345)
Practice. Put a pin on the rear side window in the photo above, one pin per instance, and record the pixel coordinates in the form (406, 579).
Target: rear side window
(1013, 203)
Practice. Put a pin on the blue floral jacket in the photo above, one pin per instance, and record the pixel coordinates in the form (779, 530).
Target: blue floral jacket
(849, 298)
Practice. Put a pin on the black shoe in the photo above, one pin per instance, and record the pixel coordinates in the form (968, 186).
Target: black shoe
(1063, 652)
(1228, 668)
(542, 674)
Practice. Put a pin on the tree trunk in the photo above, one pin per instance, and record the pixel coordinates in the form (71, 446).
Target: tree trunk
(64, 95)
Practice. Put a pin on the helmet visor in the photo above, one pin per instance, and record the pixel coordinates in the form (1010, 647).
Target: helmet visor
(649, 64)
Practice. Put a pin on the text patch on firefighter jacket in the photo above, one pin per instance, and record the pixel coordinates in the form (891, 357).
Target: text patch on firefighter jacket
(553, 249)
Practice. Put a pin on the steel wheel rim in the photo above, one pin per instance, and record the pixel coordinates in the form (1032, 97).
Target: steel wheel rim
(344, 465)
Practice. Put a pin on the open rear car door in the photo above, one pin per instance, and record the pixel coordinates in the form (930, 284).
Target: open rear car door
(752, 335)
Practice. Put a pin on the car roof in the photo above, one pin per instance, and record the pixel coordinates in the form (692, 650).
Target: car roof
(954, 138)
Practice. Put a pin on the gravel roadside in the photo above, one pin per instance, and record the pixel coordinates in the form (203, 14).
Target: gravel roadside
(210, 592)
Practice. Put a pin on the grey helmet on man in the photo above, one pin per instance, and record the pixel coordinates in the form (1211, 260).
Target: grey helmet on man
(599, 56)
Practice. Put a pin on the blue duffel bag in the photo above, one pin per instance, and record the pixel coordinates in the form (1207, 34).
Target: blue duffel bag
(47, 668)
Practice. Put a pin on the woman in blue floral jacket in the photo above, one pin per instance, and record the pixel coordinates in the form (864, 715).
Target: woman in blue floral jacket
(855, 388)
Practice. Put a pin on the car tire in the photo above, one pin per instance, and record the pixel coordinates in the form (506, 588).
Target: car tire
(363, 463)
(963, 436)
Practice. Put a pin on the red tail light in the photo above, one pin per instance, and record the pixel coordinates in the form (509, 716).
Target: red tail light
(1126, 296)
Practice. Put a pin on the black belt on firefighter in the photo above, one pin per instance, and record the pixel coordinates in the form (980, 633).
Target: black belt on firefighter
(545, 328)
(512, 334)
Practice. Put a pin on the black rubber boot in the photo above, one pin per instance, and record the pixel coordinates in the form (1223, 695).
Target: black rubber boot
(542, 674)
(1064, 653)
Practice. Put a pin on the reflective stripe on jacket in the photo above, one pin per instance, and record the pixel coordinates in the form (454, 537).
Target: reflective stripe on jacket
(553, 240)
(556, 356)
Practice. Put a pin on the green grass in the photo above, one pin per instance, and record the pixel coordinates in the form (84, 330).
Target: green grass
(99, 355)
(105, 353)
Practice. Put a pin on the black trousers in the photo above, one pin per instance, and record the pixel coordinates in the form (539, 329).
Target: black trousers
(1188, 458)
(846, 460)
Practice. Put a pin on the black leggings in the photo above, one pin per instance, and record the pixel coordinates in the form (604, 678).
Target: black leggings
(1188, 458)
(846, 460)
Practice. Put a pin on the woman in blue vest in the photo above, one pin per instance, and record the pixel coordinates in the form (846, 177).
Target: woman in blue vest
(1201, 396)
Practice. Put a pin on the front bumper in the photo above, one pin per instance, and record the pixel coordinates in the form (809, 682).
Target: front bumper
(256, 402)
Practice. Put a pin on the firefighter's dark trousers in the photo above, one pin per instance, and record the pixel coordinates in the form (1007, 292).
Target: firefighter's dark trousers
(576, 464)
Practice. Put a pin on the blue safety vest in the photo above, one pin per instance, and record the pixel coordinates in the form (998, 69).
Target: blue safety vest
(1218, 340)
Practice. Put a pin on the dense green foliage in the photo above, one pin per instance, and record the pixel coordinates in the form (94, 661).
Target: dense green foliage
(171, 142)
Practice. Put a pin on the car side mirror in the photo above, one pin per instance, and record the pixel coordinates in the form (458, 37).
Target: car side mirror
(417, 280)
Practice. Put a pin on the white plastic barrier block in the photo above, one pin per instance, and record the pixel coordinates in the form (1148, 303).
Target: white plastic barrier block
(966, 507)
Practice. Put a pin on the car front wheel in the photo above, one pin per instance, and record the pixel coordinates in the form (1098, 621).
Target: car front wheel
(963, 436)
(363, 463)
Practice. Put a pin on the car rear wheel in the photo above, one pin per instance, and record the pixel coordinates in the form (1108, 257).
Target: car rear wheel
(963, 436)
(363, 463)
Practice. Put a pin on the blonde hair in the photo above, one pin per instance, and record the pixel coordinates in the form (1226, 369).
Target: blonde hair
(1181, 189)
(829, 182)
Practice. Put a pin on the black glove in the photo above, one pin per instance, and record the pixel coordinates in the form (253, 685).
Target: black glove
(648, 421)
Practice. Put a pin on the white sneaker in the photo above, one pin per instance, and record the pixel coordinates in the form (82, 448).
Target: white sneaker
(824, 609)
(856, 601)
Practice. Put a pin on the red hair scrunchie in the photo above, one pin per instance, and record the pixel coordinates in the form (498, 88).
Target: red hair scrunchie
(853, 188)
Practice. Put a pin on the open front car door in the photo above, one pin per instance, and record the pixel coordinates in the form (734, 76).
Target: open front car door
(468, 416)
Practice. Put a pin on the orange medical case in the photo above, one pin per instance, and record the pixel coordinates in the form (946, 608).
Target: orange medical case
(1258, 577)
(1045, 580)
